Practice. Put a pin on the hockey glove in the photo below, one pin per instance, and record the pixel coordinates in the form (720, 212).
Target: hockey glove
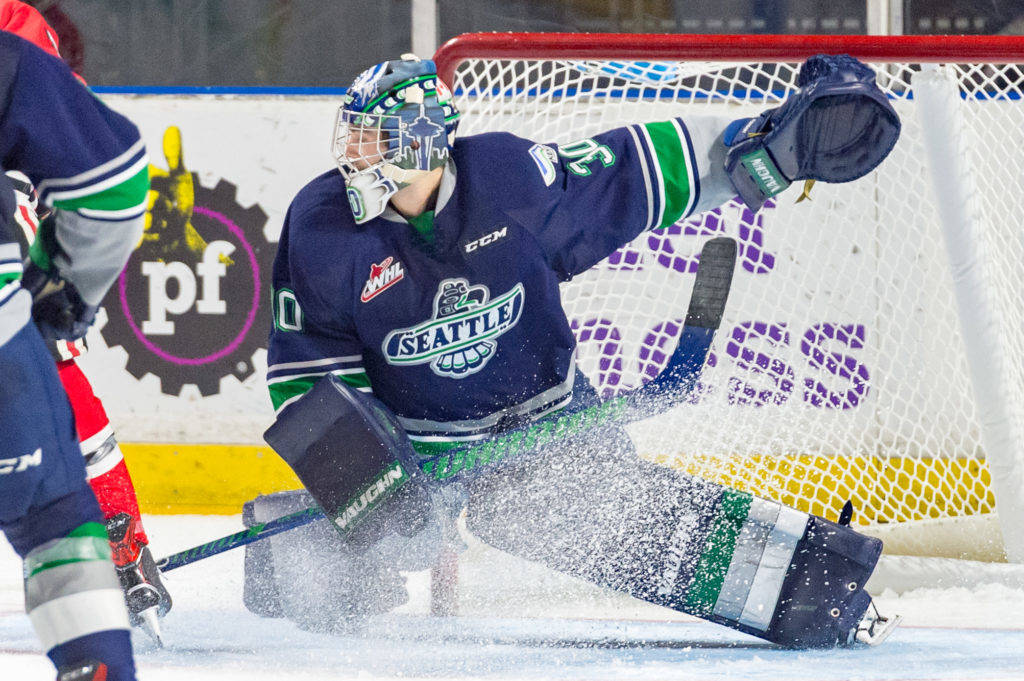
(58, 309)
(837, 127)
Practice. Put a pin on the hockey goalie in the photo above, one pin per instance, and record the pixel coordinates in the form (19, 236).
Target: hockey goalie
(421, 364)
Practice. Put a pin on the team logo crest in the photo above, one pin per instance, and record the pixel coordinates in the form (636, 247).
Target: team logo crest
(382, 277)
(461, 337)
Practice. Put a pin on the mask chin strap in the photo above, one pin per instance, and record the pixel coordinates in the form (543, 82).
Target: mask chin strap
(368, 193)
(403, 177)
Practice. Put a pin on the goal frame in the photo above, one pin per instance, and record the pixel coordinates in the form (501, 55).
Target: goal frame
(738, 47)
(785, 48)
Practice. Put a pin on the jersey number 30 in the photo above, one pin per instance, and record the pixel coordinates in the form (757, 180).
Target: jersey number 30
(586, 152)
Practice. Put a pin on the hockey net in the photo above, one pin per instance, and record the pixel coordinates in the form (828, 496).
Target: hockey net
(841, 370)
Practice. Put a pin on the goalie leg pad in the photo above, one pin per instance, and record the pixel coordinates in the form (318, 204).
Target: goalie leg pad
(322, 584)
(823, 599)
(837, 127)
(590, 508)
(782, 575)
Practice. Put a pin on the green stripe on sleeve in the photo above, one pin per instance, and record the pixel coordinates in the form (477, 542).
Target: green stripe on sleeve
(283, 391)
(673, 158)
(8, 277)
(709, 576)
(360, 380)
(127, 194)
(86, 542)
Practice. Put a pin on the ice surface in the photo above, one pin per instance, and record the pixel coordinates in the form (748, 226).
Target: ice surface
(519, 623)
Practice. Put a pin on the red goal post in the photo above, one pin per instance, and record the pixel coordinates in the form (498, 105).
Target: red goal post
(697, 47)
(865, 356)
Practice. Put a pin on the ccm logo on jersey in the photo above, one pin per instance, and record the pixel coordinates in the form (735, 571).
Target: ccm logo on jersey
(21, 463)
(486, 240)
(382, 277)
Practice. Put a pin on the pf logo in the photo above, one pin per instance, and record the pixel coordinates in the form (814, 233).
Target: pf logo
(190, 306)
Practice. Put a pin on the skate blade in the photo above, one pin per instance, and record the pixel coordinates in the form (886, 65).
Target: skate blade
(879, 630)
(151, 625)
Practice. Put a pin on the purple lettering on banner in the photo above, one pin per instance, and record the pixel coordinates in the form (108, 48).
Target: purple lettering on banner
(609, 340)
(660, 241)
(750, 232)
(779, 374)
(659, 343)
(625, 259)
(813, 346)
(752, 255)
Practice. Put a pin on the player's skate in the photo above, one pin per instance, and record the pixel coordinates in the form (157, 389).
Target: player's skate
(874, 627)
(85, 671)
(144, 591)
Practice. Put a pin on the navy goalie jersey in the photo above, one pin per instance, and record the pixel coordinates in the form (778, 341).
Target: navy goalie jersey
(458, 327)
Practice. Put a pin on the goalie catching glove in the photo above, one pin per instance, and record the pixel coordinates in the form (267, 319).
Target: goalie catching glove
(836, 128)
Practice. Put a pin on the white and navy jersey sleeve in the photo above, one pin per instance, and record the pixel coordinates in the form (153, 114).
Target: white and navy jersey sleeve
(585, 199)
(85, 160)
(312, 334)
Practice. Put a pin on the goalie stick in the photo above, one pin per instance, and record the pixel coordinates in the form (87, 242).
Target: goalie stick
(678, 378)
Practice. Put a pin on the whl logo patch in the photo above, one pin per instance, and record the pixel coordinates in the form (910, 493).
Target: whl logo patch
(382, 277)
(461, 337)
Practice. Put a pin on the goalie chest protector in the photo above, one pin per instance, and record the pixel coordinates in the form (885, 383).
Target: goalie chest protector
(453, 328)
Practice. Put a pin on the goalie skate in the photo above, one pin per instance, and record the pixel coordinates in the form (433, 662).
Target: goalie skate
(874, 628)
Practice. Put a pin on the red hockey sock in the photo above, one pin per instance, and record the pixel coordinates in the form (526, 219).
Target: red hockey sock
(116, 494)
(105, 468)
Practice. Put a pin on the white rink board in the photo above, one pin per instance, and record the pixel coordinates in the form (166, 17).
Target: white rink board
(269, 147)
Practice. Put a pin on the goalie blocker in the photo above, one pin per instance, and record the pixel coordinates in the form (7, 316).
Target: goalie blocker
(612, 519)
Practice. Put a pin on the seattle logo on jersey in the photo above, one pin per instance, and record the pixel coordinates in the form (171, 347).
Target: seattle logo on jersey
(382, 277)
(460, 338)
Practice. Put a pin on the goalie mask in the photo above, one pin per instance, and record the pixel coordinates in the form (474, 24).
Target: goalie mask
(395, 124)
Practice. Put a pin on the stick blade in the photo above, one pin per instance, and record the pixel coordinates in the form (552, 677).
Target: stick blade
(711, 287)
(707, 305)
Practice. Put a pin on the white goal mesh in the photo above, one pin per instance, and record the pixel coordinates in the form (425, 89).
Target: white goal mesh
(840, 370)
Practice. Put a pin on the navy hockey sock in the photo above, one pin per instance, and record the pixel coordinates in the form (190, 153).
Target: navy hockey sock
(113, 648)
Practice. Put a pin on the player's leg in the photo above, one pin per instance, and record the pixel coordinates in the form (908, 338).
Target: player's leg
(357, 465)
(104, 462)
(108, 477)
(589, 507)
(47, 511)
(313, 578)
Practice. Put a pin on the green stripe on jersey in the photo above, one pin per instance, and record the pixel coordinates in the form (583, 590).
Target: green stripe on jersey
(127, 194)
(7, 277)
(283, 391)
(86, 542)
(673, 158)
(709, 576)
